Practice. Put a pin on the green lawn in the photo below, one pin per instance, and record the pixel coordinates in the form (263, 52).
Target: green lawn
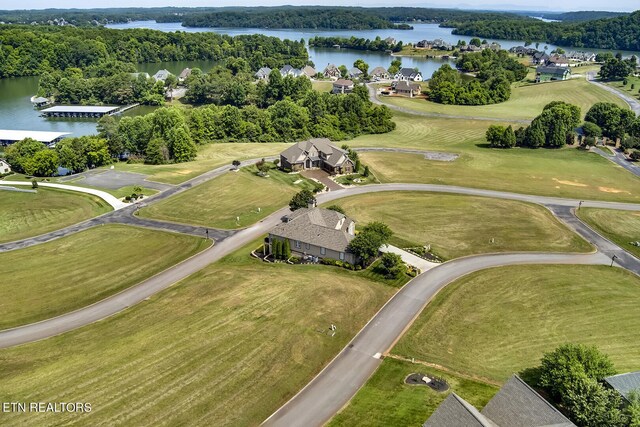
(210, 156)
(456, 226)
(225, 347)
(386, 400)
(526, 101)
(566, 172)
(499, 321)
(622, 227)
(25, 215)
(635, 81)
(322, 86)
(218, 202)
(69, 273)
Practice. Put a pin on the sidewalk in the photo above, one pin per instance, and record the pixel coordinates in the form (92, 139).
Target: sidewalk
(410, 258)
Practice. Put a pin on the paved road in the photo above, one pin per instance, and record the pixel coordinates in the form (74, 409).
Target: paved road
(328, 392)
(373, 96)
(618, 158)
(113, 201)
(633, 102)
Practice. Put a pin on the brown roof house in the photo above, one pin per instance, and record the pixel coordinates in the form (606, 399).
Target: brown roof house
(342, 86)
(405, 88)
(309, 71)
(379, 73)
(515, 405)
(316, 232)
(318, 153)
(332, 71)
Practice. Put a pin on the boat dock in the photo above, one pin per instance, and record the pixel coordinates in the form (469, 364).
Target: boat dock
(84, 111)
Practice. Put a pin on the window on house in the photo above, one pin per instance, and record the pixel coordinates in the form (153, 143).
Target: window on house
(323, 251)
(341, 256)
(298, 244)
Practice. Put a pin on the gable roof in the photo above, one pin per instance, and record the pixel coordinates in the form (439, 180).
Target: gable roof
(518, 405)
(185, 73)
(625, 383)
(408, 72)
(343, 82)
(317, 226)
(286, 69)
(299, 151)
(404, 85)
(378, 70)
(263, 72)
(355, 71)
(309, 71)
(457, 412)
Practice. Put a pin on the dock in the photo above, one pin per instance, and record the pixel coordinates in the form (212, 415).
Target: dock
(8, 137)
(84, 111)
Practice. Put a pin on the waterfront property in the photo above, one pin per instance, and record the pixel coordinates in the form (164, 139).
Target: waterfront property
(184, 75)
(342, 86)
(332, 72)
(263, 73)
(161, 75)
(547, 73)
(40, 101)
(318, 153)
(79, 111)
(379, 73)
(404, 88)
(11, 136)
(316, 232)
(409, 74)
(515, 405)
(309, 71)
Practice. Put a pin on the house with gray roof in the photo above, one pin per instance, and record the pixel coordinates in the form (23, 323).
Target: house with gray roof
(515, 405)
(404, 88)
(547, 73)
(355, 73)
(318, 153)
(263, 73)
(286, 70)
(316, 232)
(161, 75)
(408, 74)
(624, 384)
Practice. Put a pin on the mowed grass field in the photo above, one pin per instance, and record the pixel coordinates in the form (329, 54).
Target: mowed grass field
(217, 203)
(499, 321)
(456, 226)
(210, 156)
(385, 400)
(53, 278)
(526, 102)
(225, 347)
(622, 227)
(566, 172)
(25, 215)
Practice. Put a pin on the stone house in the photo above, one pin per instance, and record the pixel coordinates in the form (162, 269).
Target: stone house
(315, 232)
(318, 153)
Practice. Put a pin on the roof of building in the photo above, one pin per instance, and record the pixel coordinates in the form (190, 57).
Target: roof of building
(79, 109)
(355, 71)
(263, 72)
(343, 82)
(19, 135)
(457, 412)
(297, 152)
(406, 86)
(518, 405)
(378, 70)
(321, 227)
(162, 75)
(39, 99)
(408, 72)
(550, 69)
(309, 71)
(185, 73)
(286, 69)
(625, 383)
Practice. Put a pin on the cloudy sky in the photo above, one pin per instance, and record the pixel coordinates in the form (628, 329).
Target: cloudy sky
(615, 5)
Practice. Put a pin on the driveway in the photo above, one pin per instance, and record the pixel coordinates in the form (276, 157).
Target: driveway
(323, 177)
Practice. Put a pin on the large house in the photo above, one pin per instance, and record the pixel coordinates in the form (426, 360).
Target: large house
(263, 73)
(286, 70)
(316, 232)
(355, 73)
(515, 405)
(379, 73)
(332, 72)
(309, 71)
(547, 73)
(409, 74)
(558, 61)
(342, 86)
(539, 58)
(405, 88)
(161, 75)
(318, 153)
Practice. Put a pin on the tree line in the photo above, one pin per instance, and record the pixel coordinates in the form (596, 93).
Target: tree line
(559, 121)
(494, 73)
(172, 134)
(33, 50)
(622, 32)
(75, 154)
(375, 45)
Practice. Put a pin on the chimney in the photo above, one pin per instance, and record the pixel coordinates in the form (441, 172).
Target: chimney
(312, 203)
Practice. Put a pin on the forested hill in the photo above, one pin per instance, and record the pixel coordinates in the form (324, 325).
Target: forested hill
(620, 33)
(583, 16)
(32, 50)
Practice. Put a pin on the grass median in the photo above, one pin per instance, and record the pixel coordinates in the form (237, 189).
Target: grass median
(622, 227)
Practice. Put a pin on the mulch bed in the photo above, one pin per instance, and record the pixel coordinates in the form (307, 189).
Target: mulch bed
(436, 384)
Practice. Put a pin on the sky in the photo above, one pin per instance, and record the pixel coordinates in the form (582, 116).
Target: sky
(566, 5)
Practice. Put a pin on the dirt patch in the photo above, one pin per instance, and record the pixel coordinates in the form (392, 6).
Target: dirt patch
(572, 183)
(611, 190)
(434, 383)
